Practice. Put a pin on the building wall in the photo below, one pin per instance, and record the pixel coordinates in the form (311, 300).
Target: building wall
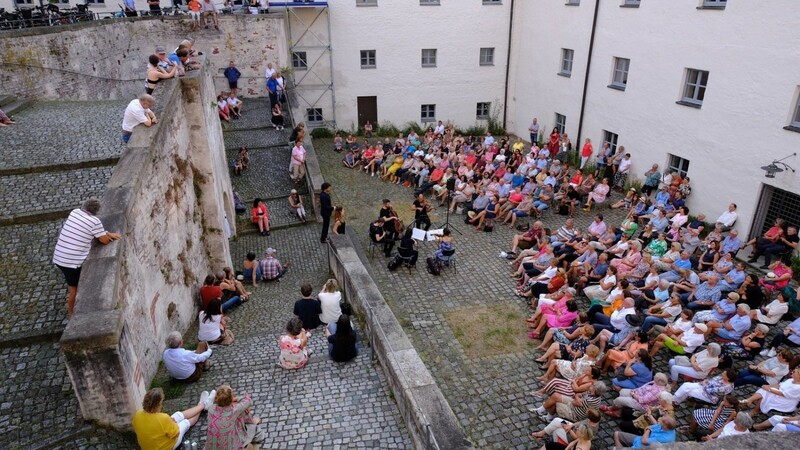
(749, 51)
(398, 30)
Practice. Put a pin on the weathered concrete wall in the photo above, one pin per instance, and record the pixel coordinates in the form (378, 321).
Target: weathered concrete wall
(424, 408)
(108, 59)
(168, 197)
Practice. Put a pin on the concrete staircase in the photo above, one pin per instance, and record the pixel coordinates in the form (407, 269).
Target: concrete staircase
(12, 105)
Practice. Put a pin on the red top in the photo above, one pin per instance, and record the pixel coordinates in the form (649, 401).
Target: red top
(259, 211)
(208, 293)
(587, 150)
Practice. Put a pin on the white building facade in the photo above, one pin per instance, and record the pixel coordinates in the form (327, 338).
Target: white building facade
(708, 87)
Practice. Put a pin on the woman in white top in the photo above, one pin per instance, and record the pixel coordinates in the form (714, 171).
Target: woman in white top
(782, 397)
(772, 313)
(211, 323)
(606, 284)
(330, 299)
(741, 424)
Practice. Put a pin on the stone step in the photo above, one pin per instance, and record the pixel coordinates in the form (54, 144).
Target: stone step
(6, 99)
(16, 106)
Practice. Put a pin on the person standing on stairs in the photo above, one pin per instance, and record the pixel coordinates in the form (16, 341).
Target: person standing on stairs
(326, 209)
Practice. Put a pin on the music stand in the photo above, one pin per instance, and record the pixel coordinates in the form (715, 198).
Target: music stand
(451, 186)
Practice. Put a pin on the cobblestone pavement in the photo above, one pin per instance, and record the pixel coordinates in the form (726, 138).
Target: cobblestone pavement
(322, 405)
(325, 404)
(256, 113)
(57, 191)
(490, 395)
(255, 138)
(63, 132)
(266, 176)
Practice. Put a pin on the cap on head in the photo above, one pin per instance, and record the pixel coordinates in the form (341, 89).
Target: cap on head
(161, 50)
(271, 251)
(294, 191)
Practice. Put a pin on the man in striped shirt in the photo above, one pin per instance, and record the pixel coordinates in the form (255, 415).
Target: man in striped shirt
(75, 241)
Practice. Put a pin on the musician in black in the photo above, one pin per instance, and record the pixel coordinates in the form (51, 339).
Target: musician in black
(379, 236)
(421, 209)
(391, 223)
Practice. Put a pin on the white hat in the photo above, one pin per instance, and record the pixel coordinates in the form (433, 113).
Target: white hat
(701, 326)
(294, 191)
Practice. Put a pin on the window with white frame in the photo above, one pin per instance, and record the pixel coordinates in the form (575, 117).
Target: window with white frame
(620, 77)
(573, 2)
(561, 123)
(492, 2)
(567, 55)
(631, 3)
(714, 4)
(299, 60)
(428, 57)
(487, 56)
(482, 111)
(366, 2)
(695, 88)
(678, 164)
(429, 2)
(796, 116)
(367, 59)
(23, 2)
(610, 139)
(428, 113)
(314, 115)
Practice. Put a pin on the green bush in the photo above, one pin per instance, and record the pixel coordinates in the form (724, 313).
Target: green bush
(322, 133)
(475, 130)
(413, 126)
(633, 182)
(387, 129)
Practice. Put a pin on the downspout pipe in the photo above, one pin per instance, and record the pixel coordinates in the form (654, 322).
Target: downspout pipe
(586, 76)
(508, 64)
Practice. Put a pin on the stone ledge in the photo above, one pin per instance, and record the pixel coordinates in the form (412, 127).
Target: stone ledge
(424, 408)
(92, 330)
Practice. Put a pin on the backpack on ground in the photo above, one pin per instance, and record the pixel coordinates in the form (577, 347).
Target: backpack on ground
(394, 263)
(432, 267)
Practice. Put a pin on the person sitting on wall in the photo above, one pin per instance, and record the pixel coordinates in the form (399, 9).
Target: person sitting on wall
(186, 365)
(210, 10)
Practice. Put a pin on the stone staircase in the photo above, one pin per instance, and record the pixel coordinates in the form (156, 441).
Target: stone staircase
(12, 105)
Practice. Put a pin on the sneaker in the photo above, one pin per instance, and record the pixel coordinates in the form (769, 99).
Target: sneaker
(204, 399)
(549, 417)
(772, 353)
(210, 399)
(764, 352)
(541, 411)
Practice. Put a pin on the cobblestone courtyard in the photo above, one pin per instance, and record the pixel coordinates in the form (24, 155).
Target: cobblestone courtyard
(491, 396)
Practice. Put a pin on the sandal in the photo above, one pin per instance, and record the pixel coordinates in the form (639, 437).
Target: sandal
(533, 335)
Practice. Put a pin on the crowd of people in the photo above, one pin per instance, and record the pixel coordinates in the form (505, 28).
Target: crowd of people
(658, 283)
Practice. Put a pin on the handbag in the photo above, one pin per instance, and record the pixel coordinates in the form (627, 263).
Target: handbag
(227, 336)
(620, 376)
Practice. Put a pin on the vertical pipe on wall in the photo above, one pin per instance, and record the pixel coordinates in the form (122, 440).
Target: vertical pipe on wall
(508, 63)
(586, 75)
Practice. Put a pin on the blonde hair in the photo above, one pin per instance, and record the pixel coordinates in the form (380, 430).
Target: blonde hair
(224, 396)
(330, 286)
(592, 350)
(152, 400)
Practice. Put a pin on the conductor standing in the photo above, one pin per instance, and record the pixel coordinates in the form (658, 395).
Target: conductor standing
(326, 209)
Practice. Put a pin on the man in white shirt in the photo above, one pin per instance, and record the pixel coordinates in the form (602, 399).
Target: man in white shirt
(728, 218)
(439, 128)
(138, 112)
(685, 343)
(185, 365)
(74, 242)
(534, 131)
(617, 321)
(269, 71)
(210, 10)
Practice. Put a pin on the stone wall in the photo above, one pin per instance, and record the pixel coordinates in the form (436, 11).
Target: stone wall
(168, 197)
(425, 410)
(108, 59)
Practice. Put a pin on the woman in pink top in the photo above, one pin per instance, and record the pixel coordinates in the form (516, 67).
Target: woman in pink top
(560, 314)
(630, 261)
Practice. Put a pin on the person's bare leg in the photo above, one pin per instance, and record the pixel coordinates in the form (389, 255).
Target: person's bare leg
(193, 413)
(546, 340)
(73, 292)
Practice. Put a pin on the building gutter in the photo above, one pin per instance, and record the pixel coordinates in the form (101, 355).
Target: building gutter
(586, 75)
(508, 64)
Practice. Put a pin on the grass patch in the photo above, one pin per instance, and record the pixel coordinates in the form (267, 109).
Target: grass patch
(488, 331)
(172, 389)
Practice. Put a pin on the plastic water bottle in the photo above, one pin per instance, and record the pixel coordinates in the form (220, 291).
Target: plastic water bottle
(187, 445)
(194, 445)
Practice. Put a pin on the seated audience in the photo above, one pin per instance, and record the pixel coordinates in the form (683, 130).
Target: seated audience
(185, 365)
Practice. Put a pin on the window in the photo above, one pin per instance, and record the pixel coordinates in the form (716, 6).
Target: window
(366, 2)
(487, 56)
(695, 89)
(492, 2)
(620, 78)
(561, 123)
(428, 113)
(314, 115)
(678, 164)
(713, 4)
(573, 2)
(23, 2)
(630, 3)
(299, 60)
(610, 139)
(367, 59)
(795, 123)
(429, 2)
(483, 110)
(566, 62)
(95, 1)
(428, 57)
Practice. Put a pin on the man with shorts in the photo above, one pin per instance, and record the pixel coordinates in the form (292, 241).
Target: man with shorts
(210, 10)
(74, 242)
(194, 11)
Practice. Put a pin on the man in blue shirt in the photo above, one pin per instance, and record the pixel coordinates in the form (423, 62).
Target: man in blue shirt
(661, 433)
(130, 8)
(232, 74)
(683, 263)
(731, 243)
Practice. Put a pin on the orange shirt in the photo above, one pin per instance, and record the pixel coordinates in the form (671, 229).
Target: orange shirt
(195, 6)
